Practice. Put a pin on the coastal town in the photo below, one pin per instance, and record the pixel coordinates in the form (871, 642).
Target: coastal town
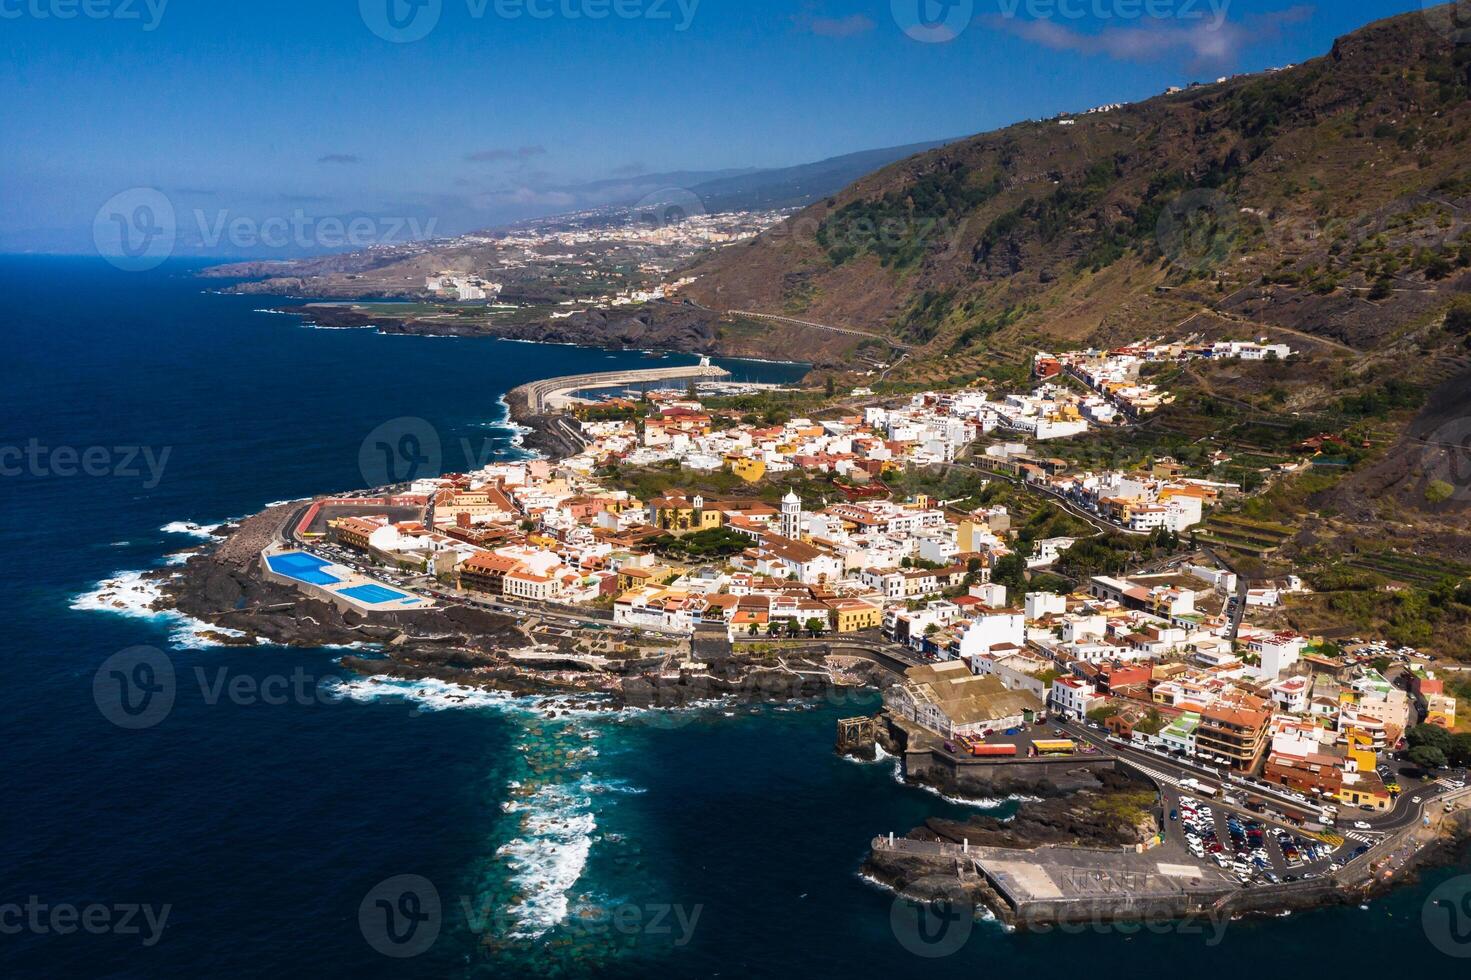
(932, 535)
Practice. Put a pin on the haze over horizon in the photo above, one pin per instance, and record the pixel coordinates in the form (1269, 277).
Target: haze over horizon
(501, 110)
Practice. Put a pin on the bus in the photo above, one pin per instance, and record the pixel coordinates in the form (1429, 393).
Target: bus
(1060, 746)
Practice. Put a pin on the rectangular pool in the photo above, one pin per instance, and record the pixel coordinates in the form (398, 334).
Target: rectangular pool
(374, 595)
(302, 567)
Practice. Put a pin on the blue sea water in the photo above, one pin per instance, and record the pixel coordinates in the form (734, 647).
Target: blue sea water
(279, 799)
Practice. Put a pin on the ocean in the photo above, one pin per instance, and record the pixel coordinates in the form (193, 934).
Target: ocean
(285, 818)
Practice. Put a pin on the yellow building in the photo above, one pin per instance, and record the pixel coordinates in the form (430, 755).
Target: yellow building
(681, 514)
(1442, 710)
(630, 578)
(1361, 752)
(852, 615)
(1369, 792)
(750, 469)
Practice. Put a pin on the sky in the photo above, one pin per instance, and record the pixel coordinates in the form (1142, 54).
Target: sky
(272, 125)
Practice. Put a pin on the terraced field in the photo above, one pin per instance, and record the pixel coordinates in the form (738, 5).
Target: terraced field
(1410, 569)
(1259, 538)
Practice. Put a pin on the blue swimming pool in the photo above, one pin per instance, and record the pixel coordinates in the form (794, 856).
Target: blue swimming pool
(302, 567)
(373, 594)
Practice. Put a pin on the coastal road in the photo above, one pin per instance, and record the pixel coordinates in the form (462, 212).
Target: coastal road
(1169, 772)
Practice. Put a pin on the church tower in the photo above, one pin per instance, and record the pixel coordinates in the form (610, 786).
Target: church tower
(791, 516)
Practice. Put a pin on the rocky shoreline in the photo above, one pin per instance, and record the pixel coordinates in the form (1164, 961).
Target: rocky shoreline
(1085, 821)
(656, 326)
(221, 585)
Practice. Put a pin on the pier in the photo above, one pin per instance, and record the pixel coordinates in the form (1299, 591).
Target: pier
(539, 397)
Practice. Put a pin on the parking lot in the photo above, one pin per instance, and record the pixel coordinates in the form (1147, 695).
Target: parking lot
(1250, 849)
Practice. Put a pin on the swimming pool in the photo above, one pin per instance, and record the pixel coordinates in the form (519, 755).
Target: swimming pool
(374, 595)
(302, 567)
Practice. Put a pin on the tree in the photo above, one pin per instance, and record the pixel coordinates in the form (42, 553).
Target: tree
(816, 626)
(1011, 571)
(832, 386)
(1460, 751)
(1429, 736)
(1428, 757)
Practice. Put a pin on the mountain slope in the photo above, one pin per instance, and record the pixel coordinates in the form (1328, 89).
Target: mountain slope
(1327, 201)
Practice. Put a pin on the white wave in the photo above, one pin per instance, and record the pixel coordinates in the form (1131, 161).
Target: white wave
(984, 803)
(203, 531)
(429, 693)
(135, 595)
(549, 856)
(981, 913)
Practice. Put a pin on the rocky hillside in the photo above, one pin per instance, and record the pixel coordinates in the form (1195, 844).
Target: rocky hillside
(1327, 203)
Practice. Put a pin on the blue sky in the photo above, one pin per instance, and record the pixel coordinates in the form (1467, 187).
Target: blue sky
(256, 109)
